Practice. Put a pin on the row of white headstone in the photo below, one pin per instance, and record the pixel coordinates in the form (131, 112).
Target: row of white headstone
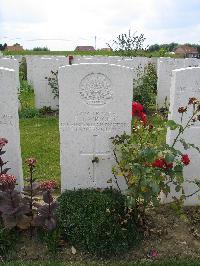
(164, 74)
(39, 70)
(95, 104)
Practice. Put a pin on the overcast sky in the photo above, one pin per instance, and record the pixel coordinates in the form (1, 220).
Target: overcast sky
(64, 24)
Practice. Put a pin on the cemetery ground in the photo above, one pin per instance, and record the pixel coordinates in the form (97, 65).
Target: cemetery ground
(54, 263)
(171, 234)
(173, 237)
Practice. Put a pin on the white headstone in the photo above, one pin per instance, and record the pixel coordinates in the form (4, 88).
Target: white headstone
(29, 63)
(133, 62)
(164, 73)
(18, 58)
(12, 63)
(95, 104)
(186, 84)
(9, 122)
(191, 62)
(41, 70)
(95, 59)
(137, 63)
(154, 60)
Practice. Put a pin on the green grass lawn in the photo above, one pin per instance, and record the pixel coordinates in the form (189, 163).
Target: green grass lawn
(40, 139)
(26, 95)
(80, 53)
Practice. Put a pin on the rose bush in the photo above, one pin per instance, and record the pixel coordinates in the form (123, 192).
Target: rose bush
(148, 166)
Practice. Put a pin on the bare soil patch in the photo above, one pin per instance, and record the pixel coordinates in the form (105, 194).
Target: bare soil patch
(170, 235)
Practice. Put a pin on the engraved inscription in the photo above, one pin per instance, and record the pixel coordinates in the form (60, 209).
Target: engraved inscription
(6, 120)
(182, 89)
(95, 117)
(95, 89)
(97, 121)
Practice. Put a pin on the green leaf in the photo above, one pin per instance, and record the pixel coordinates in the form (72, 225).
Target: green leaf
(178, 168)
(197, 182)
(155, 201)
(195, 147)
(172, 125)
(186, 146)
(178, 188)
(169, 158)
(155, 188)
(148, 153)
(183, 197)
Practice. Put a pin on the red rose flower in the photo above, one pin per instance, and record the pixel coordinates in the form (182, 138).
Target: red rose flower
(185, 159)
(143, 117)
(169, 165)
(3, 142)
(137, 108)
(161, 163)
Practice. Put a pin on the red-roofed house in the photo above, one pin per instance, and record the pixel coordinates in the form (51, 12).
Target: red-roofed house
(84, 48)
(187, 51)
(14, 47)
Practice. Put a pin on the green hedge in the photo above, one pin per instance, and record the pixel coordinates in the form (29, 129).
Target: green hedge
(97, 221)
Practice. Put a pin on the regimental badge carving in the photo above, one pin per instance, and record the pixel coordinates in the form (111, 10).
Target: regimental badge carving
(95, 89)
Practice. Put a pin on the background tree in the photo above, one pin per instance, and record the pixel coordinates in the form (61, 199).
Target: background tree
(45, 48)
(154, 47)
(128, 44)
(168, 47)
(3, 46)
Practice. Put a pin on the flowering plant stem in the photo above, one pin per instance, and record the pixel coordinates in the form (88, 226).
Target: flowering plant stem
(182, 129)
(31, 199)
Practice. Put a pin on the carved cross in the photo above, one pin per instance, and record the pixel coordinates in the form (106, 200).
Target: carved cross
(94, 154)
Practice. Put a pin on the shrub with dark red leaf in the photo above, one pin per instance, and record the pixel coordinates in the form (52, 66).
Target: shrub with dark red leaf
(12, 208)
(46, 213)
(3, 143)
(14, 211)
